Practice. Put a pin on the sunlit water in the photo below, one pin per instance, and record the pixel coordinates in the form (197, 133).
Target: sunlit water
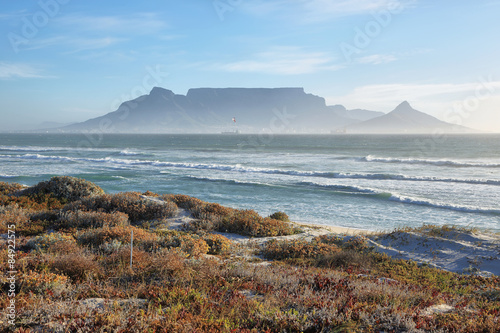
(368, 182)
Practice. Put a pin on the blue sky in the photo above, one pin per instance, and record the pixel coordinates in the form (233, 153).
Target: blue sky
(69, 60)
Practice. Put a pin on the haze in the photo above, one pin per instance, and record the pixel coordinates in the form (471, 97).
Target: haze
(68, 61)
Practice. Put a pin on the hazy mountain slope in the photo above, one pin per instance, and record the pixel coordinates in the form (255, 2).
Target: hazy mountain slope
(405, 119)
(212, 110)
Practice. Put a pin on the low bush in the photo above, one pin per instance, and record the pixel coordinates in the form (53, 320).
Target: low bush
(215, 217)
(217, 244)
(354, 243)
(12, 215)
(183, 201)
(137, 208)
(290, 249)
(85, 219)
(42, 282)
(212, 211)
(45, 241)
(282, 216)
(97, 237)
(64, 188)
(10, 188)
(151, 194)
(250, 223)
(191, 244)
(77, 266)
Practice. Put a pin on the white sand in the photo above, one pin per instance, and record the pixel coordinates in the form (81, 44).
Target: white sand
(453, 250)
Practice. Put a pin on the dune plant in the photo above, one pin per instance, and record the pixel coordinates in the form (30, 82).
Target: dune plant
(131, 203)
(64, 188)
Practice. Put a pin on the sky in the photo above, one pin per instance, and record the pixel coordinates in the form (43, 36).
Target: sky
(68, 60)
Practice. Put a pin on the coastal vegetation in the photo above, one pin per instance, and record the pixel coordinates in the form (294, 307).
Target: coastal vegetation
(73, 267)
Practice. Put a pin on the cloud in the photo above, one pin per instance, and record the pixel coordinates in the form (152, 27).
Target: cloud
(19, 70)
(282, 60)
(377, 59)
(319, 10)
(75, 44)
(84, 44)
(82, 32)
(140, 23)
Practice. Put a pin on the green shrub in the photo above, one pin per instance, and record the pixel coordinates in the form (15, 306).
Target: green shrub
(280, 216)
(183, 201)
(137, 208)
(32, 202)
(45, 241)
(64, 188)
(249, 222)
(41, 282)
(191, 244)
(10, 188)
(217, 244)
(212, 211)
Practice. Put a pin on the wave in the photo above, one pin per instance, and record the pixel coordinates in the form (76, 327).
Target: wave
(3, 175)
(248, 169)
(29, 148)
(228, 181)
(430, 203)
(358, 191)
(126, 152)
(354, 190)
(347, 189)
(450, 163)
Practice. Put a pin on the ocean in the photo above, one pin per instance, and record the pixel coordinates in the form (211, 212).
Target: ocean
(373, 182)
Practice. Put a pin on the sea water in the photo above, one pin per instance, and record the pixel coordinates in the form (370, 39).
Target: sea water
(374, 182)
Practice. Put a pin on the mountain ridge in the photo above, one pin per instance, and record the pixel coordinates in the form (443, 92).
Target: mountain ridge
(252, 110)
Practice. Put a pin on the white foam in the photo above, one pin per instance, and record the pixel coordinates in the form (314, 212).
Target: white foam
(450, 163)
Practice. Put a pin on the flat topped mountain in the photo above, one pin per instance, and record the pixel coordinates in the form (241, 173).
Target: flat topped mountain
(277, 110)
(405, 119)
(254, 110)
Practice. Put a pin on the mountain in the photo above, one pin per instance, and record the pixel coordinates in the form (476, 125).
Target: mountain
(355, 114)
(202, 110)
(405, 120)
(254, 110)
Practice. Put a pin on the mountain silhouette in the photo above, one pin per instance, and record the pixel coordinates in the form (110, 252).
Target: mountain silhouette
(254, 110)
(405, 120)
(205, 110)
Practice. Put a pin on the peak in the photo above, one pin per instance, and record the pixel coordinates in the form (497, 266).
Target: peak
(403, 107)
(160, 91)
(404, 104)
